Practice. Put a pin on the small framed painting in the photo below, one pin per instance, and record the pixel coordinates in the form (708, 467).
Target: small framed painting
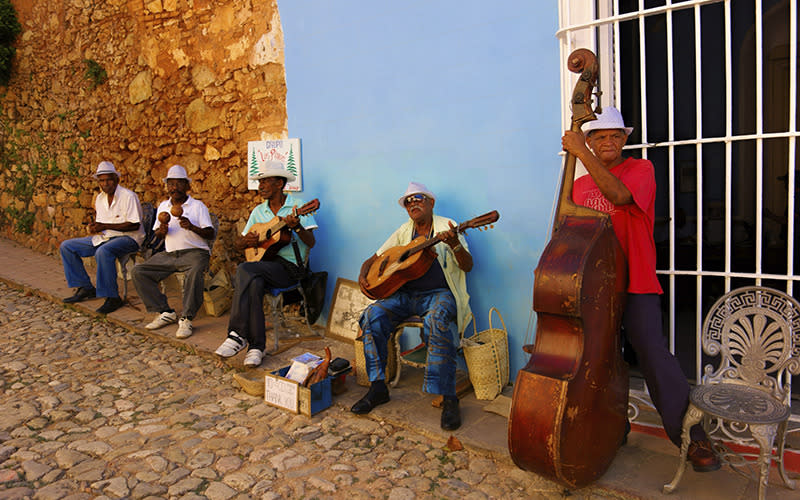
(348, 304)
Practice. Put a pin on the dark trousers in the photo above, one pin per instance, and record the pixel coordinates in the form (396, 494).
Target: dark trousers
(666, 382)
(252, 281)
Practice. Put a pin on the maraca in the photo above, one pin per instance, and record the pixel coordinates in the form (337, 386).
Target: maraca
(163, 217)
(176, 210)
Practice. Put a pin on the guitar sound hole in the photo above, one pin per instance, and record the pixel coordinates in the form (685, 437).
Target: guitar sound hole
(382, 267)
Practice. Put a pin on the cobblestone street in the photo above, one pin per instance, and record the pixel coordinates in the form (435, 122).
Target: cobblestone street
(93, 410)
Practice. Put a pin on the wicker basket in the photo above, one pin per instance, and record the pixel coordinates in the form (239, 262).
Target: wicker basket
(362, 378)
(486, 354)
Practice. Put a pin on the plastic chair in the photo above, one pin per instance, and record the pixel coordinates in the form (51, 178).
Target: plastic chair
(746, 398)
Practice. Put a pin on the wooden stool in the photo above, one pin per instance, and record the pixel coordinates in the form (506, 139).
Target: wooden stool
(416, 356)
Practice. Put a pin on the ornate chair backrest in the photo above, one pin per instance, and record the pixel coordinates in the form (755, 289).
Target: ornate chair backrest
(755, 331)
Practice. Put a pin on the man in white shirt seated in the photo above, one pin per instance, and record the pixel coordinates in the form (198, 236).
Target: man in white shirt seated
(185, 225)
(116, 230)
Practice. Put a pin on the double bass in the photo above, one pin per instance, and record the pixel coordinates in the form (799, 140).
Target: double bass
(569, 407)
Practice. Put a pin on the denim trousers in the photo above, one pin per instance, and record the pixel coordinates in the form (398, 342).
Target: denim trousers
(105, 254)
(437, 308)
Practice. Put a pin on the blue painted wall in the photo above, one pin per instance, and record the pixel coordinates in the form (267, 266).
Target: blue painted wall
(460, 95)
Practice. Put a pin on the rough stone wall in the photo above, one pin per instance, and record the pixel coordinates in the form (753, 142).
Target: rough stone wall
(188, 82)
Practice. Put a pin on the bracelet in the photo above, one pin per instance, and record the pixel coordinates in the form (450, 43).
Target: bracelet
(457, 248)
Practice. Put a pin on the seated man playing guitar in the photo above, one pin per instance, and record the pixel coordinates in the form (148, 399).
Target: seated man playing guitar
(272, 262)
(439, 296)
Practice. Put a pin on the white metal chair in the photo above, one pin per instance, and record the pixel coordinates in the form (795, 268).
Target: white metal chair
(746, 398)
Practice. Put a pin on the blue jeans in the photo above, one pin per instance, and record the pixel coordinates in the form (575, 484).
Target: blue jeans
(437, 308)
(106, 255)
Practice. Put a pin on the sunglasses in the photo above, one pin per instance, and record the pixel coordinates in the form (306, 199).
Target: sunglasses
(414, 198)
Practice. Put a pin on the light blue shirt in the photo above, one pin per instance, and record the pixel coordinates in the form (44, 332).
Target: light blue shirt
(262, 213)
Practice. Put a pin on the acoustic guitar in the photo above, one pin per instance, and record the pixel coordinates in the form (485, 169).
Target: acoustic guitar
(401, 264)
(275, 234)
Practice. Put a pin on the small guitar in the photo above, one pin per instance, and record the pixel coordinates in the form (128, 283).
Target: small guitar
(275, 234)
(403, 263)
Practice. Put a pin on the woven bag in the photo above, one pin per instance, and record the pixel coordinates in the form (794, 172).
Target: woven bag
(486, 354)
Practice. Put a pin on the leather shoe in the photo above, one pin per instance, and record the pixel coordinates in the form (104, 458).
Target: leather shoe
(451, 415)
(81, 294)
(110, 305)
(370, 401)
(702, 456)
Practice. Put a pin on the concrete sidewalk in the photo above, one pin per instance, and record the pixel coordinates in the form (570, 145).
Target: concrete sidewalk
(639, 470)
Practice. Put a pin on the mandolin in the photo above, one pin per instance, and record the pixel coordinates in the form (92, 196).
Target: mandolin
(401, 264)
(275, 234)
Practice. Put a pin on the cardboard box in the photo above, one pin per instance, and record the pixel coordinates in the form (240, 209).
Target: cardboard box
(281, 392)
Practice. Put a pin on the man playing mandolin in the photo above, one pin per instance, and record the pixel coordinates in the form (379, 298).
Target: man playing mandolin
(625, 188)
(439, 296)
(273, 267)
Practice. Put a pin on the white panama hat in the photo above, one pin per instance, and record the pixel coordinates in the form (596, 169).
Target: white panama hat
(177, 172)
(274, 169)
(415, 188)
(105, 167)
(610, 118)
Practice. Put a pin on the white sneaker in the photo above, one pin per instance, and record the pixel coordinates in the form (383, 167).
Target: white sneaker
(233, 344)
(163, 319)
(253, 357)
(184, 328)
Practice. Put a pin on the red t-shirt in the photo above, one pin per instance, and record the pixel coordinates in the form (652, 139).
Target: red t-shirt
(633, 223)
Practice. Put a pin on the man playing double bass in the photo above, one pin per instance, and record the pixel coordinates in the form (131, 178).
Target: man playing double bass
(625, 188)
(439, 297)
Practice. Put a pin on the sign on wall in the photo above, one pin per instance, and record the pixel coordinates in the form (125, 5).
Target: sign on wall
(285, 151)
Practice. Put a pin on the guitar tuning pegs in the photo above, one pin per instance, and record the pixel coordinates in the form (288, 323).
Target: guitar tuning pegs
(491, 226)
